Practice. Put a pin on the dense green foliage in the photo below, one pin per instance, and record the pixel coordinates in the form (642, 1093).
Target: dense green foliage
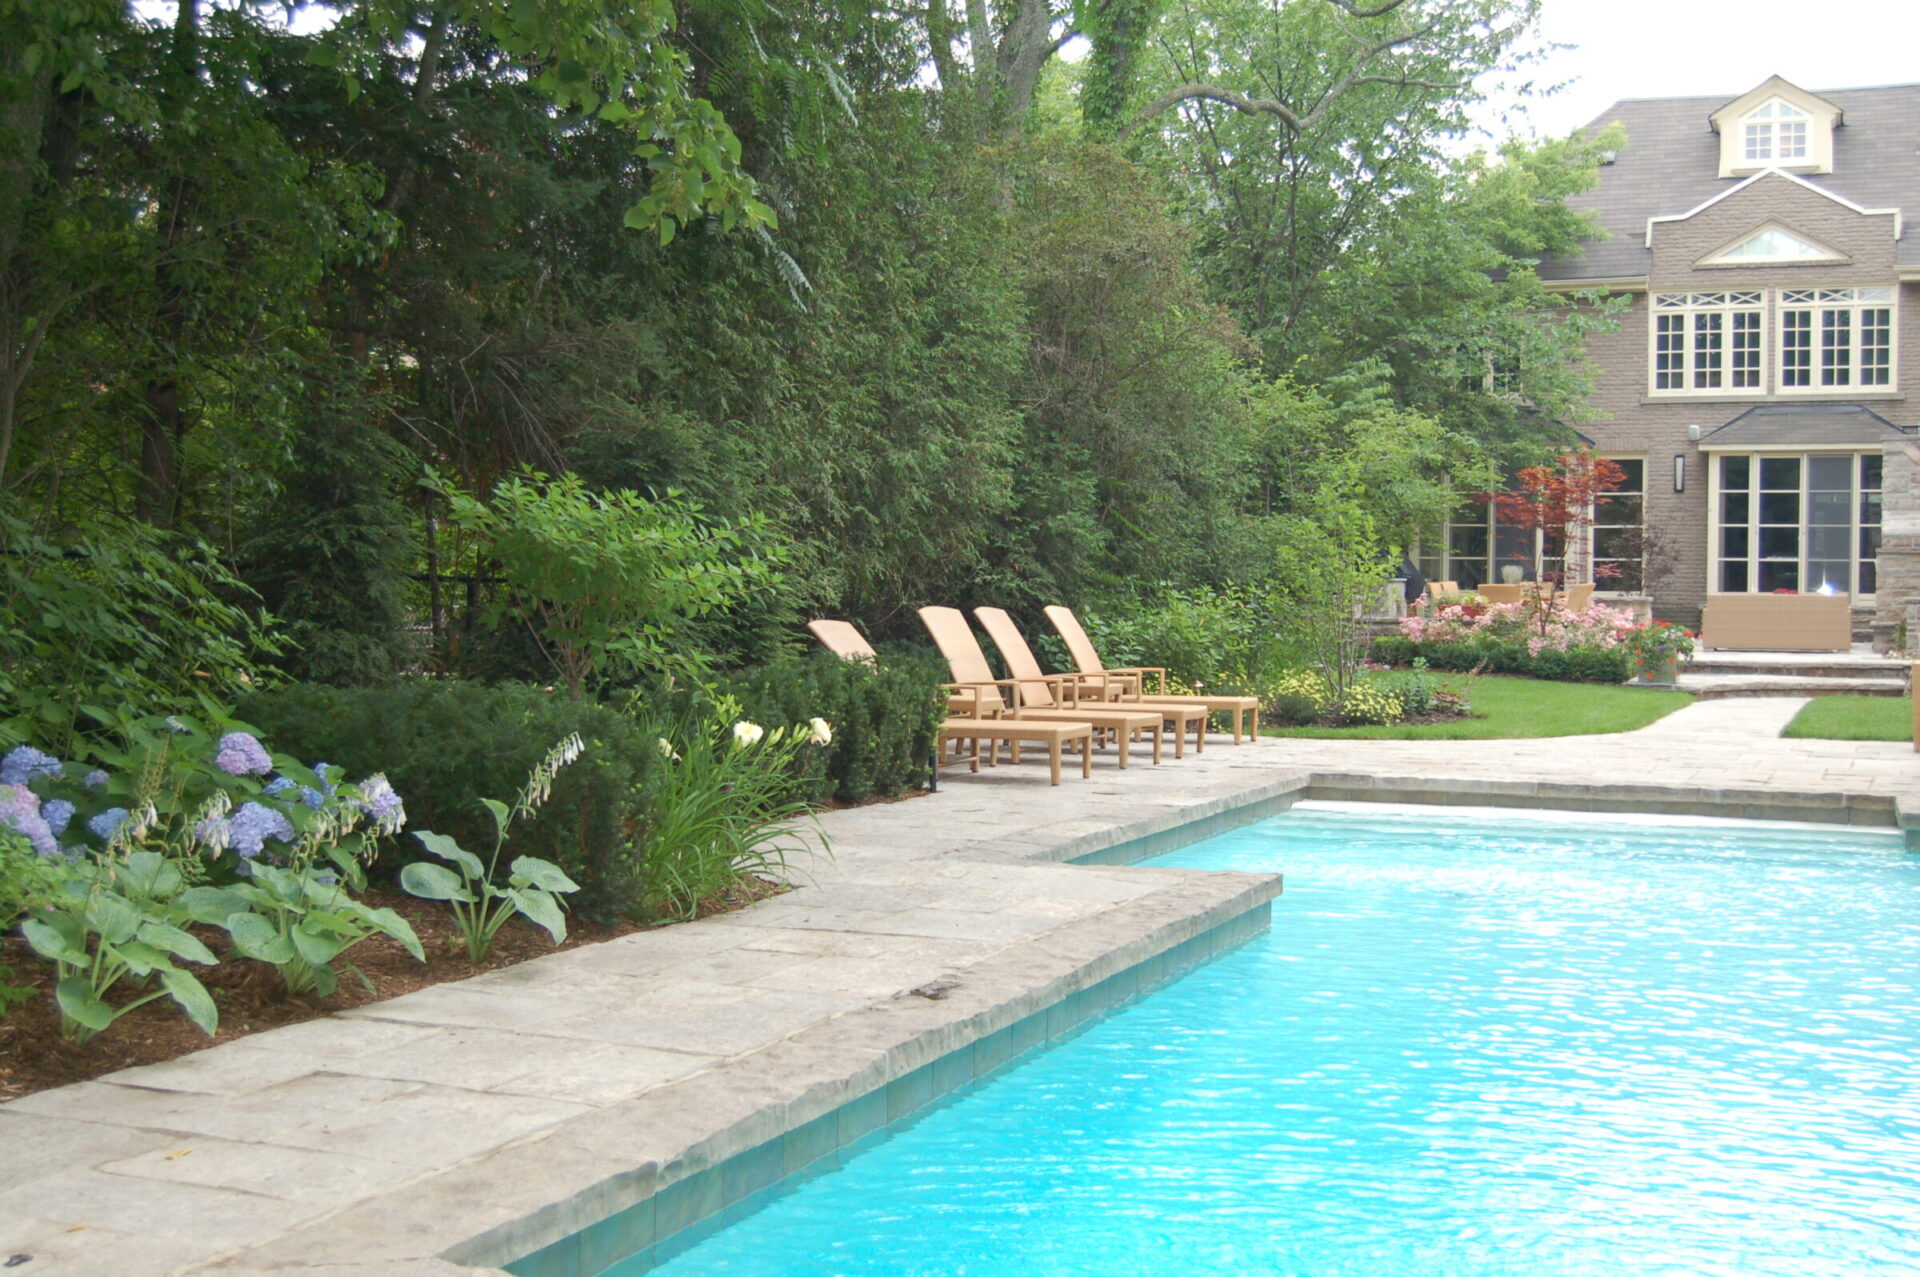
(1510, 656)
(447, 745)
(884, 720)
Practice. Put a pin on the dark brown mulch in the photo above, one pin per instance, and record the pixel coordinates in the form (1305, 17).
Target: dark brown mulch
(251, 997)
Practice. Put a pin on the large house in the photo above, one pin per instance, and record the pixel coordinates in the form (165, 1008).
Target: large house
(1757, 375)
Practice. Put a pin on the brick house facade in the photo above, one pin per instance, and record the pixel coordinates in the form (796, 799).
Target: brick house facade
(1771, 346)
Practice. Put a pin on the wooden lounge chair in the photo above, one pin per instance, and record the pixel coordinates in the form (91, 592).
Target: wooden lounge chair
(1021, 664)
(1044, 697)
(1129, 685)
(965, 726)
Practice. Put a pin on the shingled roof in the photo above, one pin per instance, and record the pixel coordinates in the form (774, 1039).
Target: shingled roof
(1671, 163)
(1804, 425)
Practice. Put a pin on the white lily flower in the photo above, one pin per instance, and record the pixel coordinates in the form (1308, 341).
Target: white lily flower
(745, 733)
(820, 731)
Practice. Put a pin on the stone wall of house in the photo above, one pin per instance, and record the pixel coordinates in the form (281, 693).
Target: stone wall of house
(1896, 621)
(1628, 421)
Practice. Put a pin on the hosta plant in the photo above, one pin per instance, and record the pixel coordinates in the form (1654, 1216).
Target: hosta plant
(534, 887)
(293, 905)
(118, 919)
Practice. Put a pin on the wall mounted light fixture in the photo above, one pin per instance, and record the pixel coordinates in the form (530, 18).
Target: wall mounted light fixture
(1679, 472)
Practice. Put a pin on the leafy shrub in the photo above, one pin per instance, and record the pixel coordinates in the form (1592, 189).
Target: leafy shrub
(447, 745)
(1579, 664)
(1299, 697)
(1369, 704)
(885, 719)
(1224, 638)
(127, 616)
(25, 879)
(613, 579)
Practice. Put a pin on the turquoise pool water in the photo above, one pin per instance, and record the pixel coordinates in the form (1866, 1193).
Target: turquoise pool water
(1471, 1043)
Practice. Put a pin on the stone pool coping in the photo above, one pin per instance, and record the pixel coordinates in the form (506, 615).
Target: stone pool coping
(484, 1120)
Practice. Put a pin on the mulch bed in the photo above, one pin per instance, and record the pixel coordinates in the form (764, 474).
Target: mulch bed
(251, 997)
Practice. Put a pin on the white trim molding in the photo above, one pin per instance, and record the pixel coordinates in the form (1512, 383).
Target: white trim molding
(1796, 179)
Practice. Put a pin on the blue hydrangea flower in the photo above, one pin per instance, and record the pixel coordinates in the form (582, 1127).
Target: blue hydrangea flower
(379, 801)
(24, 764)
(326, 786)
(105, 825)
(239, 754)
(57, 812)
(20, 812)
(312, 797)
(94, 779)
(279, 785)
(253, 824)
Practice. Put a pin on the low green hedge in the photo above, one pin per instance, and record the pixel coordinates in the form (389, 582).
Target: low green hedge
(884, 719)
(1510, 656)
(447, 744)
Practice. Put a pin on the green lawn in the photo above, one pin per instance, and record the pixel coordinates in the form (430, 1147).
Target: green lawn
(1854, 718)
(1506, 707)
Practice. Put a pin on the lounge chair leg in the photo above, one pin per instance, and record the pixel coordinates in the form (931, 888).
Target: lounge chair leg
(1179, 740)
(1158, 732)
(1053, 760)
(1086, 760)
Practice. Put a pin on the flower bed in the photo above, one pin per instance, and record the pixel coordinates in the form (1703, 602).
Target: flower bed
(1588, 646)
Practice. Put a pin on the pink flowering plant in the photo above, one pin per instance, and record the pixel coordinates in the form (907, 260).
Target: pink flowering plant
(1660, 644)
(1595, 626)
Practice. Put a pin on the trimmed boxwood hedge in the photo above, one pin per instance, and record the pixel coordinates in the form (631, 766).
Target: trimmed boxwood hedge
(1510, 656)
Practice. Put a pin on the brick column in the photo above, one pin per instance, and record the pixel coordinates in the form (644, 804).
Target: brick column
(1896, 621)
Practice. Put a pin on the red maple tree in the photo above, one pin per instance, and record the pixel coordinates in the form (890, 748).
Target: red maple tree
(1558, 501)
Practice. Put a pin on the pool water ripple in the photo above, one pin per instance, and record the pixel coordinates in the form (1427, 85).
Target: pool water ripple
(1469, 1044)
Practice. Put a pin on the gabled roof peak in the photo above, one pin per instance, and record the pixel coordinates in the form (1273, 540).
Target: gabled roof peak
(1775, 86)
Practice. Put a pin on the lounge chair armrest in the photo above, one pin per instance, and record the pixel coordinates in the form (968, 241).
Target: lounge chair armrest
(1141, 671)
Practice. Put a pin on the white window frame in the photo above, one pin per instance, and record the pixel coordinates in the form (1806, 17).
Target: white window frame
(1760, 133)
(1696, 318)
(1754, 457)
(1820, 305)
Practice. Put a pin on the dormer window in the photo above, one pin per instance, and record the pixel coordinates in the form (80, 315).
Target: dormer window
(1776, 125)
(1776, 133)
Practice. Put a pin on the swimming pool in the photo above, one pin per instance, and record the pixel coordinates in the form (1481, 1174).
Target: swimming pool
(1471, 1043)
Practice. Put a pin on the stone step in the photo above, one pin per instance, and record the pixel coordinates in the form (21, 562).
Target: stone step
(1813, 667)
(1717, 686)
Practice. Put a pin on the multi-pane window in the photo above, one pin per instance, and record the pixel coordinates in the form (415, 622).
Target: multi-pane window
(1619, 530)
(1774, 132)
(1836, 338)
(1799, 522)
(1707, 341)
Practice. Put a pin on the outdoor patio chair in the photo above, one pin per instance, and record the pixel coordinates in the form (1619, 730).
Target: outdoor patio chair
(1048, 698)
(1182, 714)
(965, 725)
(1128, 685)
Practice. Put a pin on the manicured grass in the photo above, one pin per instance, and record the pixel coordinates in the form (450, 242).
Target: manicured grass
(1505, 707)
(1854, 718)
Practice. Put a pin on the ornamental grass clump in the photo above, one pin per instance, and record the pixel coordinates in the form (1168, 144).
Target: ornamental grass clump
(534, 887)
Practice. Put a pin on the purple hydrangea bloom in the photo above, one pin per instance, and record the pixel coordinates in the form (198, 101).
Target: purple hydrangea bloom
(105, 825)
(57, 813)
(24, 764)
(20, 812)
(379, 801)
(253, 824)
(279, 785)
(239, 754)
(94, 779)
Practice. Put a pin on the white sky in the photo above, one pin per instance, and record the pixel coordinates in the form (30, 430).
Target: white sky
(1683, 48)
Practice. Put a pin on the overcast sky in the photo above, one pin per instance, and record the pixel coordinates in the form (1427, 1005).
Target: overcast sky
(1683, 48)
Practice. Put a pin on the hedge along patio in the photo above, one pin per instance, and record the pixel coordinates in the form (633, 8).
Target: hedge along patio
(431, 1125)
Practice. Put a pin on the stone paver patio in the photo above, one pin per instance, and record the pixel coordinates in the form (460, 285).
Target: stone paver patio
(483, 1119)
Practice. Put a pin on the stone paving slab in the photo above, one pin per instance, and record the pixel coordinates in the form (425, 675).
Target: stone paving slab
(479, 1120)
